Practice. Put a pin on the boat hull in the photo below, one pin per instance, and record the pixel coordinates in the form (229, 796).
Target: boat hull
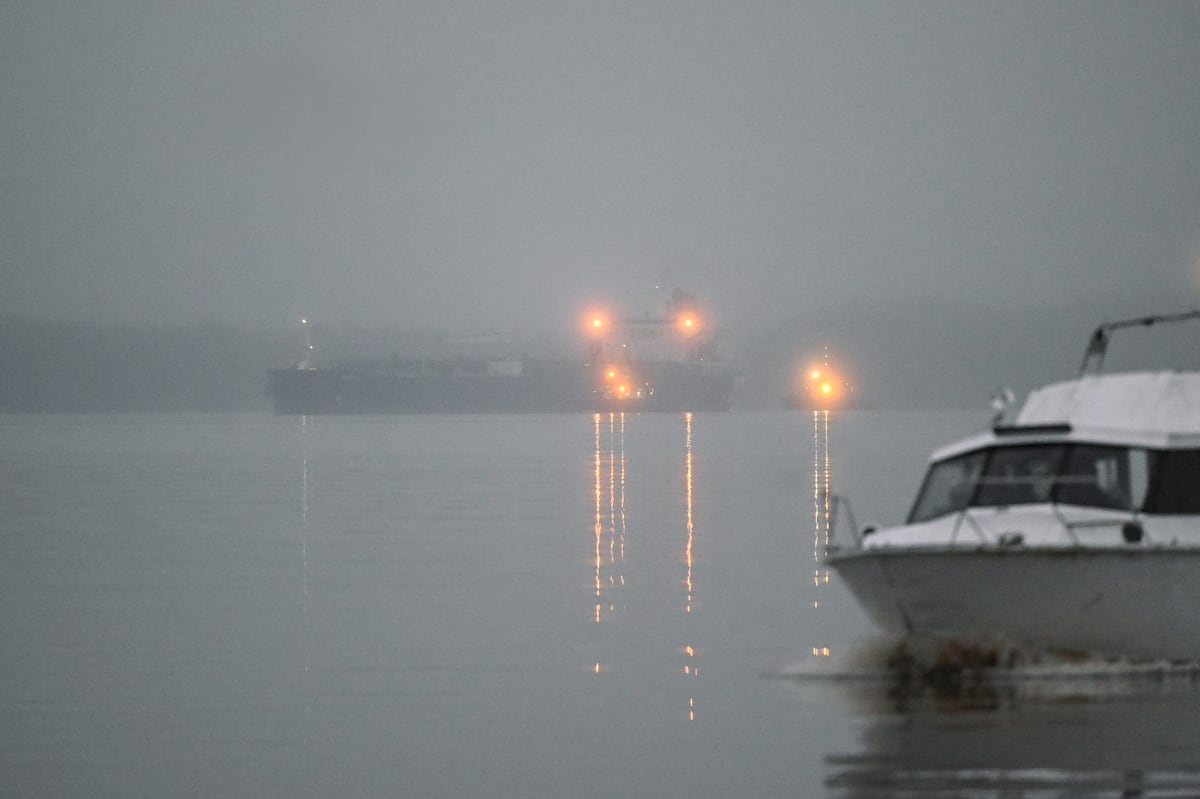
(1135, 601)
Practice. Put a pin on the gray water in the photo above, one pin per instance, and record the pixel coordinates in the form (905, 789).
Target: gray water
(501, 606)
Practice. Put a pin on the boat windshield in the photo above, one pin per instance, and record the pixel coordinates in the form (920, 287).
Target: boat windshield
(948, 486)
(1018, 475)
(1074, 474)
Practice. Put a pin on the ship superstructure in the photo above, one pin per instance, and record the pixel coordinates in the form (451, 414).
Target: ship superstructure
(666, 363)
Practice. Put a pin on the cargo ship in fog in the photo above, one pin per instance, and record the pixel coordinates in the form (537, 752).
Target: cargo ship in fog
(667, 363)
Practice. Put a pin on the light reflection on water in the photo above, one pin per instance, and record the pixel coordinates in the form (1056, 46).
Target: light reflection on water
(609, 481)
(690, 668)
(822, 474)
(408, 607)
(609, 472)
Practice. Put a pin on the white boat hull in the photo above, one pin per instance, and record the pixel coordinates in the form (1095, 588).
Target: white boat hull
(1133, 600)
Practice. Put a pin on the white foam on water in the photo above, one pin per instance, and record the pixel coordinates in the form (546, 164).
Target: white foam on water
(949, 663)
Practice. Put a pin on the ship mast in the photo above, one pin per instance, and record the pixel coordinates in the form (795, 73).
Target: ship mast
(306, 363)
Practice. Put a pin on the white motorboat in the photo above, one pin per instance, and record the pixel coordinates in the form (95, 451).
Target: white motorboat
(1075, 527)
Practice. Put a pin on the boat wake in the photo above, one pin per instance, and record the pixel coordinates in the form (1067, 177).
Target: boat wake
(997, 720)
(899, 670)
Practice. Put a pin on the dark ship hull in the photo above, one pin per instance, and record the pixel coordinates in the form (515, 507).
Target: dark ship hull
(800, 401)
(458, 387)
(643, 364)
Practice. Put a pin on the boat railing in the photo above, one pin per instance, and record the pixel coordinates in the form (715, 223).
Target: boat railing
(1129, 523)
(965, 515)
(836, 501)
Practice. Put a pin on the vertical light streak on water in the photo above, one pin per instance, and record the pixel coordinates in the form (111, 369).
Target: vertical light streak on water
(306, 423)
(816, 498)
(608, 466)
(622, 495)
(688, 500)
(828, 515)
(690, 669)
(608, 477)
(599, 528)
(822, 515)
(822, 487)
(612, 496)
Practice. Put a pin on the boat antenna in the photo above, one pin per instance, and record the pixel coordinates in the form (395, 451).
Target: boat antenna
(1093, 357)
(1002, 400)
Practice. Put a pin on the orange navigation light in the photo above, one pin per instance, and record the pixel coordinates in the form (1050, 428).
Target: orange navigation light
(823, 388)
(688, 324)
(596, 322)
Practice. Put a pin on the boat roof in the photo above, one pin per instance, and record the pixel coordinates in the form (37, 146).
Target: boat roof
(1159, 410)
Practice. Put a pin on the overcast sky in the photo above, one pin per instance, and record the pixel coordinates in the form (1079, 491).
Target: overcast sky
(501, 165)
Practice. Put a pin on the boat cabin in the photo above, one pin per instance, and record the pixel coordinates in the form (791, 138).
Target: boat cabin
(1086, 454)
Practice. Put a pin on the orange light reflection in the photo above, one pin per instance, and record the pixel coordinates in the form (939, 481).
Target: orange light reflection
(690, 667)
(691, 528)
(599, 528)
(608, 490)
(822, 509)
(608, 493)
(822, 488)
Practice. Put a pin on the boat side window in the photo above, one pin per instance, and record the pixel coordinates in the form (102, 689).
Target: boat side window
(1176, 483)
(948, 486)
(1104, 477)
(1019, 475)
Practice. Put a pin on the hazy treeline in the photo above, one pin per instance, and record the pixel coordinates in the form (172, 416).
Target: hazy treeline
(86, 367)
(83, 367)
(897, 355)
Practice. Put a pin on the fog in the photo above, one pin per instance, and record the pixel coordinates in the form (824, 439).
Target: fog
(948, 195)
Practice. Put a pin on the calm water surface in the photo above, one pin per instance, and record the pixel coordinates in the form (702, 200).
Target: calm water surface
(483, 606)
